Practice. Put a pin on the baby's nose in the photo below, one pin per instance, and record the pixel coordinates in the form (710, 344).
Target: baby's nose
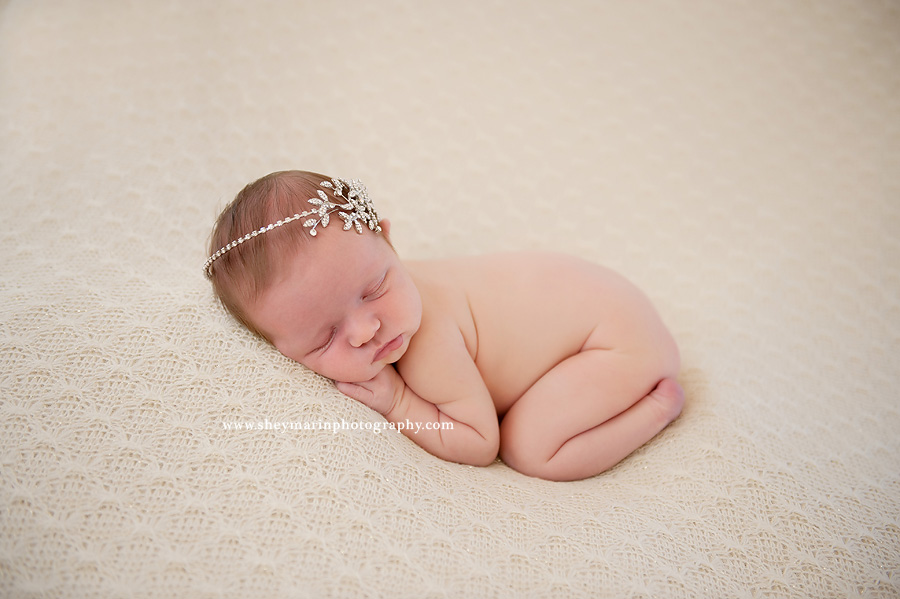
(363, 330)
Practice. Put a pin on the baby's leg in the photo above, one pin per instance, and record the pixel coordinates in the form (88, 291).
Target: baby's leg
(591, 411)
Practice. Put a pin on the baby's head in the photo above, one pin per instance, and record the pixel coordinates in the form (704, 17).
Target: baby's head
(303, 260)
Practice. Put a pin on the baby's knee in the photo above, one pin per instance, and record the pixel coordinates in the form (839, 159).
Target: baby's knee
(524, 452)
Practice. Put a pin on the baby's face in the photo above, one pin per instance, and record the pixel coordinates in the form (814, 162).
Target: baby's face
(344, 306)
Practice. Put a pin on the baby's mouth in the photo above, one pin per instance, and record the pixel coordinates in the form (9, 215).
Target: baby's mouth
(388, 347)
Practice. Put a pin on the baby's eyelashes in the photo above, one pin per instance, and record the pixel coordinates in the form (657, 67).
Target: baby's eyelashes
(325, 345)
(375, 295)
(378, 291)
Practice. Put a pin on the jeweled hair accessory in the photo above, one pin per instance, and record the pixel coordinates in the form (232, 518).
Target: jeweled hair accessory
(356, 210)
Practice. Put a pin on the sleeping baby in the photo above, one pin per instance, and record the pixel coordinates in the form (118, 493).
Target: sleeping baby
(559, 366)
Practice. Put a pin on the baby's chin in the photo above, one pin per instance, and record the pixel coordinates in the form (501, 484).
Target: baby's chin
(357, 377)
(361, 373)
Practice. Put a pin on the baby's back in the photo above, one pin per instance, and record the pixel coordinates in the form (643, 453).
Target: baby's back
(529, 311)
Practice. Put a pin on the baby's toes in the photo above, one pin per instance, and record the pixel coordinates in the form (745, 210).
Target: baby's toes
(669, 397)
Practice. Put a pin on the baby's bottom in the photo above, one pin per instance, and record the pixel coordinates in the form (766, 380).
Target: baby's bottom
(591, 410)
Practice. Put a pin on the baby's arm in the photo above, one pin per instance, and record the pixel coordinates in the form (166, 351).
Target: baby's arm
(440, 384)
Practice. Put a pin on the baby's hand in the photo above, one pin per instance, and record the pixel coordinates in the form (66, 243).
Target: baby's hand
(380, 393)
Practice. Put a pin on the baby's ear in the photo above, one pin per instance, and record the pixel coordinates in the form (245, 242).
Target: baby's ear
(385, 227)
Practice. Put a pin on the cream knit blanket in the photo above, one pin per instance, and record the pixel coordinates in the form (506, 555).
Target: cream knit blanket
(739, 161)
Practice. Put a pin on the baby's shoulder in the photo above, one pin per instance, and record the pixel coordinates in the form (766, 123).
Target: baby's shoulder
(445, 302)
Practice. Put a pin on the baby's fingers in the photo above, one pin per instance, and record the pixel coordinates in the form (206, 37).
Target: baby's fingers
(357, 392)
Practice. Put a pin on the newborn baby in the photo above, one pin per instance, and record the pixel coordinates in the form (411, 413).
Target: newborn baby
(561, 367)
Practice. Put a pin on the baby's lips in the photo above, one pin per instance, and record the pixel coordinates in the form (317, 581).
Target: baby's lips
(388, 347)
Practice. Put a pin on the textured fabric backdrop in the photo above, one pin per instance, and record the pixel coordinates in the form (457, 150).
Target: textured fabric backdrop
(739, 161)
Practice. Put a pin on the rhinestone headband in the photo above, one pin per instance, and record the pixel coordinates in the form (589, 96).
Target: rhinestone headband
(356, 210)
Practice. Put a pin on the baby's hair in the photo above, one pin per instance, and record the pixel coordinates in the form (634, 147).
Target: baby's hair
(242, 274)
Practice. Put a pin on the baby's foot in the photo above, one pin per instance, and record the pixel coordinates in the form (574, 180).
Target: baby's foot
(669, 398)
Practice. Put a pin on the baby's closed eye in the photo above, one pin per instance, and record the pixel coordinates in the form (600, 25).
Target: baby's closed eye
(324, 345)
(378, 290)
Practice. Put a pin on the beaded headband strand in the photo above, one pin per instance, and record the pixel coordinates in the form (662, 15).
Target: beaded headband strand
(356, 208)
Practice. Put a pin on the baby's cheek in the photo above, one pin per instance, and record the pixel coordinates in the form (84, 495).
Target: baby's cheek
(344, 368)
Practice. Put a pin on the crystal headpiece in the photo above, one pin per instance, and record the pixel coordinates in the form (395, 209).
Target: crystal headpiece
(356, 208)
